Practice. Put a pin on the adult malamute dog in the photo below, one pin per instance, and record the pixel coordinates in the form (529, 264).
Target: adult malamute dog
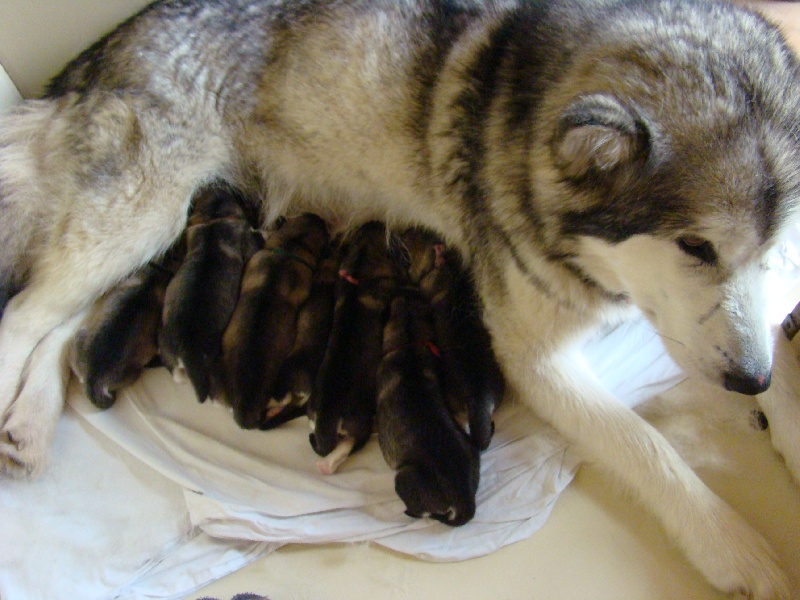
(585, 157)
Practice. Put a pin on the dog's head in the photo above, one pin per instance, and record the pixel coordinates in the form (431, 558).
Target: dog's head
(674, 167)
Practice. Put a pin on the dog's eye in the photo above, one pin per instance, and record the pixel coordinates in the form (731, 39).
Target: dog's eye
(699, 248)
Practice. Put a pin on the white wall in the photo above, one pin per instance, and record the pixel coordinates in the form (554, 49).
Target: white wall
(38, 37)
(8, 93)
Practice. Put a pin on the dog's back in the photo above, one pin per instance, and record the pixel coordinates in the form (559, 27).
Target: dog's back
(472, 381)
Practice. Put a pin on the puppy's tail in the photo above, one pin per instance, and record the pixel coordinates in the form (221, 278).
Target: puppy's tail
(25, 212)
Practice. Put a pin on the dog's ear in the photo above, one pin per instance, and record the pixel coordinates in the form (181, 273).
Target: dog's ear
(597, 134)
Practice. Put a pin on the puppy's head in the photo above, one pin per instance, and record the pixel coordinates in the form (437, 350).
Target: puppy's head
(672, 170)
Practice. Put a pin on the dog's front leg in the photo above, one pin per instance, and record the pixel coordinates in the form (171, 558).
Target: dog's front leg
(31, 420)
(561, 389)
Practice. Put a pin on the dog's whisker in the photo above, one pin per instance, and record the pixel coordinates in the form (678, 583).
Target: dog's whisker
(666, 337)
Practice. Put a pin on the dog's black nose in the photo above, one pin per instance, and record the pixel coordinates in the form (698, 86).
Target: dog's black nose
(747, 383)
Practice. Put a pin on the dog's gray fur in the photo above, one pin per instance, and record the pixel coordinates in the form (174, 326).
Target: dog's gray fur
(583, 156)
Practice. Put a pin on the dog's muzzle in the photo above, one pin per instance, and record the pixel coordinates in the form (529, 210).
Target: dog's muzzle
(746, 383)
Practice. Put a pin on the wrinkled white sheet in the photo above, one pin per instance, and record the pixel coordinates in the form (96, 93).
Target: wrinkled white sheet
(160, 495)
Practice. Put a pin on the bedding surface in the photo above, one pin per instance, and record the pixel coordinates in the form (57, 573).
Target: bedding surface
(160, 494)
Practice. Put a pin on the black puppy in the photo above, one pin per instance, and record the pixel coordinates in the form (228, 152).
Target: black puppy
(295, 380)
(119, 336)
(262, 330)
(202, 296)
(341, 409)
(472, 380)
(438, 467)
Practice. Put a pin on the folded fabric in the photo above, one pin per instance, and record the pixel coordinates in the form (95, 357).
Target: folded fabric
(161, 494)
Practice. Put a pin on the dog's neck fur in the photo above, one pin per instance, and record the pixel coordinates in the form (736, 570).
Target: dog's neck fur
(492, 155)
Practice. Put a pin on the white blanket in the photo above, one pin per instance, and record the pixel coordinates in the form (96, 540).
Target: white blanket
(160, 494)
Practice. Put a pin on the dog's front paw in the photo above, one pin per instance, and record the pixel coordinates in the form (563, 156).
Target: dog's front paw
(29, 422)
(24, 453)
(737, 560)
(28, 431)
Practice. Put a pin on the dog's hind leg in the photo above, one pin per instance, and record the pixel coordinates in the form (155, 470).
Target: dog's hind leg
(119, 177)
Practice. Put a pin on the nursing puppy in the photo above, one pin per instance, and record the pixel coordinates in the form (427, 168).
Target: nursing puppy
(342, 405)
(472, 381)
(262, 330)
(119, 336)
(202, 296)
(295, 380)
(585, 158)
(437, 465)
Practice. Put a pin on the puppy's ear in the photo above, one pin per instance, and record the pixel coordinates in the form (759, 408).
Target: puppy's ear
(597, 134)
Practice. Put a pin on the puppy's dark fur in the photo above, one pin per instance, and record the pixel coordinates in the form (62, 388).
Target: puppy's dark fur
(314, 320)
(202, 296)
(262, 331)
(438, 467)
(472, 380)
(119, 336)
(342, 405)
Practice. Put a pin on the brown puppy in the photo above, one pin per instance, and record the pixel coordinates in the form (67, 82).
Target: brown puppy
(262, 330)
(472, 380)
(296, 378)
(342, 405)
(119, 336)
(437, 465)
(202, 296)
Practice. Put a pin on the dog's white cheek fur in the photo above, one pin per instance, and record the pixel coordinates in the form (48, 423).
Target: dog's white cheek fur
(708, 325)
(781, 403)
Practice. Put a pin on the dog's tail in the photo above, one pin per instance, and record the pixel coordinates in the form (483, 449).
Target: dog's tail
(24, 211)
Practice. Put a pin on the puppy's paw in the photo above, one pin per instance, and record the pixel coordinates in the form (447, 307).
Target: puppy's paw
(736, 559)
(179, 374)
(326, 467)
(331, 463)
